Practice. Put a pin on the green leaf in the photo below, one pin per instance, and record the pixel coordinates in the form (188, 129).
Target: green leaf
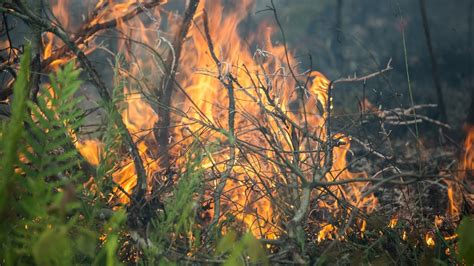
(466, 240)
(53, 248)
(226, 243)
(15, 128)
(248, 246)
(255, 250)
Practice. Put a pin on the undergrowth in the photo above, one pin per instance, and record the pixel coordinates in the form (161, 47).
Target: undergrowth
(48, 216)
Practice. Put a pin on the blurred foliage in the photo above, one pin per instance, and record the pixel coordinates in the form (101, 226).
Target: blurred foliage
(45, 217)
(466, 240)
(241, 251)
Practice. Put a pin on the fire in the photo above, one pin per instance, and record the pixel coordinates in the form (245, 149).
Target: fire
(452, 237)
(467, 163)
(404, 235)
(326, 232)
(50, 42)
(429, 240)
(258, 191)
(393, 222)
(465, 169)
(91, 150)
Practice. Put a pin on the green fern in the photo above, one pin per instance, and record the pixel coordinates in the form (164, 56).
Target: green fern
(180, 211)
(239, 251)
(46, 219)
(10, 140)
(51, 127)
(13, 131)
(109, 154)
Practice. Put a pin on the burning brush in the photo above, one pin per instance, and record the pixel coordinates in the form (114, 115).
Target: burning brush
(270, 162)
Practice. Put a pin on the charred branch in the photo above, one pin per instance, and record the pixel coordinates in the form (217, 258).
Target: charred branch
(164, 93)
(89, 29)
(227, 82)
(30, 18)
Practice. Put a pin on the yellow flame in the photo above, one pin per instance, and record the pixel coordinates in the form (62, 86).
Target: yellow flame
(429, 240)
(255, 178)
(326, 232)
(393, 222)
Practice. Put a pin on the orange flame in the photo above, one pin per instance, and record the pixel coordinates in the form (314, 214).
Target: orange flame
(429, 240)
(465, 169)
(254, 192)
(326, 232)
(393, 222)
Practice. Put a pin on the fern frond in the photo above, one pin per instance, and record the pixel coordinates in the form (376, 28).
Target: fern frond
(14, 129)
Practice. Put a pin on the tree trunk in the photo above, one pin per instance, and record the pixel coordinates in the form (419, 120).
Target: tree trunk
(34, 36)
(434, 66)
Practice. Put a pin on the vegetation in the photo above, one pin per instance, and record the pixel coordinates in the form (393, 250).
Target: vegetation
(213, 160)
(48, 217)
